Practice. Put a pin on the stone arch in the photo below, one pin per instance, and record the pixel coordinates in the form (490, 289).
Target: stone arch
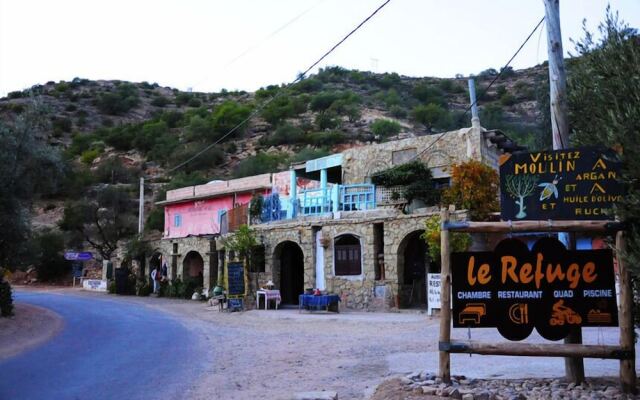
(412, 267)
(436, 158)
(348, 254)
(288, 270)
(193, 268)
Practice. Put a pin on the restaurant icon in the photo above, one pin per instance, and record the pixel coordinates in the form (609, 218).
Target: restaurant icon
(519, 313)
(563, 314)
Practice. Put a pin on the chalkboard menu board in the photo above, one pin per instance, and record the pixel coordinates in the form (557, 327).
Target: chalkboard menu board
(235, 279)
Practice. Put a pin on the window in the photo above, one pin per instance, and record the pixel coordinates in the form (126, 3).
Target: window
(177, 220)
(347, 255)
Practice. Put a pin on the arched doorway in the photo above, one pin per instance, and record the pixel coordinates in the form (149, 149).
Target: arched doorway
(413, 266)
(193, 268)
(154, 262)
(289, 262)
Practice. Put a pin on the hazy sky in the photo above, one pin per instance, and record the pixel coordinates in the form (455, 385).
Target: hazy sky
(245, 44)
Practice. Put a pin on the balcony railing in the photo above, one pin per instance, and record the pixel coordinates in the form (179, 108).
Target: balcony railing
(315, 201)
(357, 197)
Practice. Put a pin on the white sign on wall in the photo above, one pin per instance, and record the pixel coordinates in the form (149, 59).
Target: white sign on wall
(433, 292)
(96, 285)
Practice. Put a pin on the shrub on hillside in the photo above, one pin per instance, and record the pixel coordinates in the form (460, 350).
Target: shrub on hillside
(285, 134)
(114, 171)
(432, 116)
(159, 101)
(88, 156)
(259, 164)
(326, 139)
(398, 112)
(119, 102)
(228, 115)
(327, 120)
(426, 93)
(385, 127)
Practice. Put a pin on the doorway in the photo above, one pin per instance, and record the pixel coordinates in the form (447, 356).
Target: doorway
(413, 263)
(289, 261)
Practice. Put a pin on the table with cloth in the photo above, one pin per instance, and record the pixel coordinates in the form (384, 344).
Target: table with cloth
(268, 295)
(330, 302)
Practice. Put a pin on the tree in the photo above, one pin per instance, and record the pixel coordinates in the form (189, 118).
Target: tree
(474, 187)
(519, 187)
(431, 116)
(604, 110)
(458, 241)
(103, 220)
(29, 168)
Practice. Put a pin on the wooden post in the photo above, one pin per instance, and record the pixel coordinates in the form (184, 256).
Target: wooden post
(625, 318)
(445, 297)
(574, 366)
(557, 76)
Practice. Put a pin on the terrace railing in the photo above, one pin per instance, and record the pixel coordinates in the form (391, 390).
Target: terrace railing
(357, 197)
(315, 201)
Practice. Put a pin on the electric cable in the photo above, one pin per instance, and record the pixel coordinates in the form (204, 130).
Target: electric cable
(500, 73)
(300, 77)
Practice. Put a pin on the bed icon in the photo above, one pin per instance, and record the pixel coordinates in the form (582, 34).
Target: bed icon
(472, 312)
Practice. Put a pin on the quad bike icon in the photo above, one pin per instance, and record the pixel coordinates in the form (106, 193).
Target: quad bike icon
(562, 314)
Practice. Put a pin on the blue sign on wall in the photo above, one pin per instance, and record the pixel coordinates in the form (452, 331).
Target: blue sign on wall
(78, 256)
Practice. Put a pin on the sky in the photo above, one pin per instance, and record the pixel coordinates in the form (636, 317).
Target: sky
(208, 45)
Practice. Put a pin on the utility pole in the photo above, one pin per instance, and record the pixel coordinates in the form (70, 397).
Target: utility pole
(141, 208)
(557, 76)
(573, 366)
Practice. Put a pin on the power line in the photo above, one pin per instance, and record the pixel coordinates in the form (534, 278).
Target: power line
(485, 90)
(266, 103)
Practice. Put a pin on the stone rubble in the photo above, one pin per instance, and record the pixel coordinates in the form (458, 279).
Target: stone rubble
(463, 388)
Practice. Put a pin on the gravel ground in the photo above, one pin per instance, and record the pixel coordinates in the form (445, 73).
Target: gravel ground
(273, 354)
(28, 327)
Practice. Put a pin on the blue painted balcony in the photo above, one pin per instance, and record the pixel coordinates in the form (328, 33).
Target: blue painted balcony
(338, 198)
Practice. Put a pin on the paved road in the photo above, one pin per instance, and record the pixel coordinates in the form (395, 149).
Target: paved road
(108, 349)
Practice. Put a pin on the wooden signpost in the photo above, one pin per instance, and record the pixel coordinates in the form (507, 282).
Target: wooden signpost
(625, 352)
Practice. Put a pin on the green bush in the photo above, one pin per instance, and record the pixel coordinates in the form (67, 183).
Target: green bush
(143, 288)
(507, 99)
(6, 299)
(398, 112)
(414, 177)
(284, 107)
(323, 100)
(119, 102)
(88, 156)
(148, 134)
(61, 124)
(114, 171)
(228, 115)
(212, 158)
(259, 164)
(431, 116)
(385, 128)
(308, 85)
(309, 153)
(429, 94)
(328, 138)
(112, 287)
(173, 119)
(285, 134)
(269, 91)
(327, 120)
(159, 101)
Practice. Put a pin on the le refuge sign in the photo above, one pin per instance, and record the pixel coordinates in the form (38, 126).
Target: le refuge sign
(572, 184)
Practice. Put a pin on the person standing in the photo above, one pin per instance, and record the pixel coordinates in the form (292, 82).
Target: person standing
(155, 277)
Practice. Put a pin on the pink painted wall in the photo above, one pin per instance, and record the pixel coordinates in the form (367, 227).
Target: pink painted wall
(199, 217)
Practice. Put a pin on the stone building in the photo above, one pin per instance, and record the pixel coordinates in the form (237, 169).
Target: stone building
(333, 229)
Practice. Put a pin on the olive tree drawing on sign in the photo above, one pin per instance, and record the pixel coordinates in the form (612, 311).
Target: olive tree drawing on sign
(519, 187)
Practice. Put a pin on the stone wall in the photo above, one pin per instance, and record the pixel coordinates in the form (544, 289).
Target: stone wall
(453, 147)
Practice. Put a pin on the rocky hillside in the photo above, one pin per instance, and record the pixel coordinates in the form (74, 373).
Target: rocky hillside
(110, 132)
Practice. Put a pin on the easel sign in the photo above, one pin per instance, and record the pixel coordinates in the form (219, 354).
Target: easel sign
(235, 284)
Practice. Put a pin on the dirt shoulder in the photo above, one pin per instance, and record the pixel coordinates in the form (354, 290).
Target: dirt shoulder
(28, 327)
